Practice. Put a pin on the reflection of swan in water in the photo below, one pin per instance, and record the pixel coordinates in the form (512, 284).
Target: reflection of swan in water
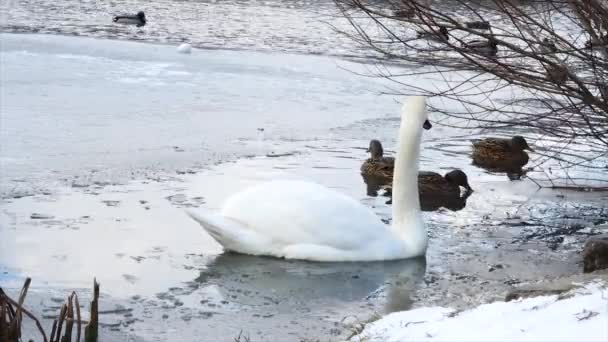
(277, 284)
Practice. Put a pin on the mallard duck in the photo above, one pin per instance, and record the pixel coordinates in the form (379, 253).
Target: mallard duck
(434, 184)
(548, 46)
(601, 42)
(437, 191)
(138, 20)
(441, 35)
(505, 154)
(378, 165)
(404, 13)
(374, 184)
(478, 25)
(487, 48)
(603, 88)
(429, 183)
(557, 73)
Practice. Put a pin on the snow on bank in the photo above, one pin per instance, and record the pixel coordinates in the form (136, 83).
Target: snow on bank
(582, 317)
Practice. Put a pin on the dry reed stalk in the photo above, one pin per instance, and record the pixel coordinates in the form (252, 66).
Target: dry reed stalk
(91, 329)
(11, 318)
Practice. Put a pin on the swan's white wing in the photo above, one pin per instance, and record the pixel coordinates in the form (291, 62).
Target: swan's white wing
(232, 235)
(297, 212)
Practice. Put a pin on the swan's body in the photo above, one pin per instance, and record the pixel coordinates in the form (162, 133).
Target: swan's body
(184, 48)
(303, 220)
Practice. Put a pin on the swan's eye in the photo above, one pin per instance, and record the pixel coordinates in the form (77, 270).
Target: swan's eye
(427, 125)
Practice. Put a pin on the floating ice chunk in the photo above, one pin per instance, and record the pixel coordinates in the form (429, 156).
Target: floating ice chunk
(184, 48)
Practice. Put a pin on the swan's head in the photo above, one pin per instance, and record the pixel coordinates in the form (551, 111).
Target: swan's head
(458, 177)
(141, 15)
(415, 114)
(519, 143)
(375, 149)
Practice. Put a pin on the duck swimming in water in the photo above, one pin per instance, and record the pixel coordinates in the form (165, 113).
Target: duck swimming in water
(488, 48)
(378, 171)
(434, 184)
(548, 46)
(138, 20)
(437, 191)
(478, 25)
(602, 42)
(441, 35)
(378, 165)
(505, 154)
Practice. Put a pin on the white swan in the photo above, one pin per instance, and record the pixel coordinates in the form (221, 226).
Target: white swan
(302, 220)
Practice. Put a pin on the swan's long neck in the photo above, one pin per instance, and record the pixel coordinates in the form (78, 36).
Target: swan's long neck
(405, 178)
(407, 221)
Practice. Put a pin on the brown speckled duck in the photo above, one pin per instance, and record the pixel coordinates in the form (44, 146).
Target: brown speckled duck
(507, 154)
(440, 35)
(488, 48)
(436, 191)
(434, 184)
(378, 171)
(378, 165)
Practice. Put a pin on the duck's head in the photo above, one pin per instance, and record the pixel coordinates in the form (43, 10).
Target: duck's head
(519, 143)
(458, 177)
(141, 15)
(375, 148)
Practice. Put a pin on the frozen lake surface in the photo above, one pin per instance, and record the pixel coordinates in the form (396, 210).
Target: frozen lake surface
(117, 108)
(299, 26)
(104, 143)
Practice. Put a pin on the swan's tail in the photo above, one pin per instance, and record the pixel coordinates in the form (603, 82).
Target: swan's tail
(231, 234)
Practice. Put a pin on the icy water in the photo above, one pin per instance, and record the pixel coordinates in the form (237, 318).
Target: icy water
(269, 25)
(104, 143)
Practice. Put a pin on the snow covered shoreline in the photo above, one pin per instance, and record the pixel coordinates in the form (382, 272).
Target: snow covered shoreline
(579, 315)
